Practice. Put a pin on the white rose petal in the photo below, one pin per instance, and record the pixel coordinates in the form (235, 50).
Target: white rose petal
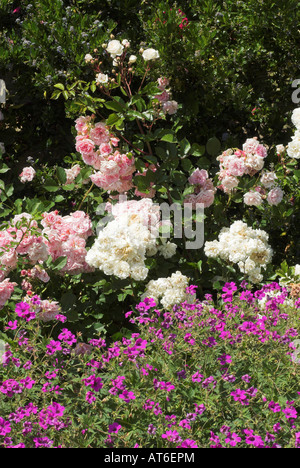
(115, 48)
(132, 59)
(150, 54)
(101, 78)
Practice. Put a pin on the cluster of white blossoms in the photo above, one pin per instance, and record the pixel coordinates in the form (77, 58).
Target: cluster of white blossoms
(125, 243)
(293, 148)
(244, 246)
(168, 291)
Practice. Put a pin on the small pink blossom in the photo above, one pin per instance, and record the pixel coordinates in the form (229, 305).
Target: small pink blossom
(27, 175)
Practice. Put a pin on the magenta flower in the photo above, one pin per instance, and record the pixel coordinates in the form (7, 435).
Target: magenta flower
(27, 382)
(185, 424)
(199, 408)
(246, 378)
(241, 396)
(233, 439)
(67, 337)
(188, 443)
(225, 359)
(114, 428)
(23, 310)
(53, 347)
(4, 427)
(12, 325)
(197, 377)
(94, 382)
(127, 396)
(10, 387)
(275, 407)
(290, 413)
(172, 436)
(90, 397)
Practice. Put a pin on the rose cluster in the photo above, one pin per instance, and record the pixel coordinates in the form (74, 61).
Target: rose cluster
(6, 290)
(244, 246)
(168, 291)
(97, 146)
(249, 161)
(124, 244)
(236, 163)
(21, 238)
(169, 106)
(65, 236)
(204, 192)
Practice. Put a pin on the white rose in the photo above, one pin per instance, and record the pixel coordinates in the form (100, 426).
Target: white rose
(293, 149)
(126, 43)
(296, 118)
(280, 149)
(115, 48)
(297, 270)
(132, 59)
(150, 54)
(101, 78)
(268, 179)
(88, 58)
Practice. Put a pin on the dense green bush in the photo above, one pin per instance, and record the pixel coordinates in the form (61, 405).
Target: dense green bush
(231, 64)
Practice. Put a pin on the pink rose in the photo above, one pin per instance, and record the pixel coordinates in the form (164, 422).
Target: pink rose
(85, 146)
(105, 149)
(206, 197)
(275, 196)
(27, 174)
(6, 290)
(170, 107)
(253, 199)
(164, 97)
(198, 177)
(99, 134)
(229, 183)
(163, 83)
(236, 167)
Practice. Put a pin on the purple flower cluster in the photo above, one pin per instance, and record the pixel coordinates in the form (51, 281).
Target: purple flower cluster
(173, 379)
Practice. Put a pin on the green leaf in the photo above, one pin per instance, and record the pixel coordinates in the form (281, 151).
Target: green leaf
(197, 150)
(9, 190)
(167, 135)
(186, 165)
(61, 174)
(115, 106)
(59, 263)
(112, 119)
(132, 114)
(59, 199)
(59, 86)
(50, 185)
(213, 146)
(185, 146)
(4, 169)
